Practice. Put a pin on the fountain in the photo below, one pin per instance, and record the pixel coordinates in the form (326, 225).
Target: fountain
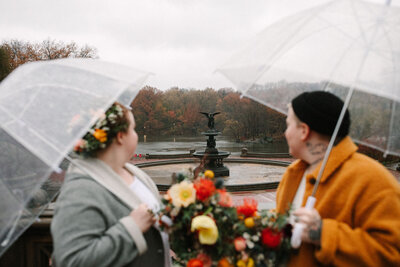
(211, 158)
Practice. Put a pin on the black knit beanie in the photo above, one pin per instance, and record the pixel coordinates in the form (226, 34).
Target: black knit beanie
(320, 110)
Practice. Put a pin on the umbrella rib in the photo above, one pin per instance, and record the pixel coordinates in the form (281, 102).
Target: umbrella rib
(276, 55)
(264, 103)
(113, 77)
(356, 16)
(375, 27)
(52, 85)
(26, 144)
(349, 36)
(390, 141)
(329, 25)
(280, 49)
(341, 116)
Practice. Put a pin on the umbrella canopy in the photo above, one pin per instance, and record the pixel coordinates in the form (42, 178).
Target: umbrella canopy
(341, 46)
(46, 106)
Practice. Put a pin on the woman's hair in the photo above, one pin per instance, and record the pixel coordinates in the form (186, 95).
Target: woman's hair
(102, 133)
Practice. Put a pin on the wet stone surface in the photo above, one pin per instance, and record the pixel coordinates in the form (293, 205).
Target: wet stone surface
(240, 174)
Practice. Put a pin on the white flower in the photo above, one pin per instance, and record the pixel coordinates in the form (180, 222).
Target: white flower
(246, 235)
(119, 110)
(249, 244)
(199, 206)
(260, 257)
(112, 116)
(255, 238)
(264, 221)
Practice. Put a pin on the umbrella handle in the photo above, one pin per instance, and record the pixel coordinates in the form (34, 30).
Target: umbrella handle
(295, 240)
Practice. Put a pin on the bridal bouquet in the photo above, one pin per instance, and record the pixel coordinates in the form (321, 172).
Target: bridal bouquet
(206, 230)
(263, 237)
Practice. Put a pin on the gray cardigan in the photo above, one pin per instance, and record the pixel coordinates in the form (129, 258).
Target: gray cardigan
(91, 224)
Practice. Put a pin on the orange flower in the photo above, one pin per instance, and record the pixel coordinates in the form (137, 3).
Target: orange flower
(249, 207)
(204, 189)
(225, 199)
(195, 263)
(100, 135)
(224, 262)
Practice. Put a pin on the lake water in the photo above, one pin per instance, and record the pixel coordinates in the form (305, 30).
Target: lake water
(166, 145)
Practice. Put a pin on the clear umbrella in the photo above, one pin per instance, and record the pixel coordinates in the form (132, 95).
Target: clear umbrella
(349, 47)
(46, 106)
(337, 46)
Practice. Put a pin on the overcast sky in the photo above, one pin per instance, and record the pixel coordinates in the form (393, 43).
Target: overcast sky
(181, 41)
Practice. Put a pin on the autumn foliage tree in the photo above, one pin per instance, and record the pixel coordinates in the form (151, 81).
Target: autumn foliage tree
(5, 68)
(19, 52)
(177, 112)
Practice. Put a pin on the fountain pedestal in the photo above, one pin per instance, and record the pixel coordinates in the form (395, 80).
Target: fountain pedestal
(211, 158)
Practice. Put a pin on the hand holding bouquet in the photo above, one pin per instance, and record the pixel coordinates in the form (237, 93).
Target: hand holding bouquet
(207, 230)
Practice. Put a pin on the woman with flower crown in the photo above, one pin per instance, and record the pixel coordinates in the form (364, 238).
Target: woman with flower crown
(104, 215)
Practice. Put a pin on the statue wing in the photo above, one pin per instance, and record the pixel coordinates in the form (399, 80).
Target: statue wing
(215, 113)
(204, 113)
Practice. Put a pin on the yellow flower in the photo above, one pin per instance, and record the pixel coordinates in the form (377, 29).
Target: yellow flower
(100, 135)
(249, 222)
(209, 174)
(208, 231)
(182, 194)
(248, 263)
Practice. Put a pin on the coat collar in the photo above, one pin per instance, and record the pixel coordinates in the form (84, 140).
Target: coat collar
(339, 154)
(107, 177)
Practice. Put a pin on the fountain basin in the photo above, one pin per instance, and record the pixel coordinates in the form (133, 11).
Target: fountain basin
(245, 174)
(212, 159)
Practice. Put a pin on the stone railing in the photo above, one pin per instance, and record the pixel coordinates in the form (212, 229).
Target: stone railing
(246, 154)
(170, 156)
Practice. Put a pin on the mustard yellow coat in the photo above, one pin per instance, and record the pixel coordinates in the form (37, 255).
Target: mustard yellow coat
(359, 202)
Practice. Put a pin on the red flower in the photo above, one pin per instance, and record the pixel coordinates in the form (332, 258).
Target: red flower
(205, 259)
(204, 189)
(271, 238)
(195, 263)
(248, 208)
(225, 199)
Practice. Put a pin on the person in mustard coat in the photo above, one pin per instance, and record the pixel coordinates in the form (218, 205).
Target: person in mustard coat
(356, 219)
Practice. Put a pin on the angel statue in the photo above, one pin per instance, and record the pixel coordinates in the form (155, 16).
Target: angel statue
(210, 117)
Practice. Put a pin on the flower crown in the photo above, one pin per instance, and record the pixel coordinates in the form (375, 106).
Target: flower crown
(103, 131)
